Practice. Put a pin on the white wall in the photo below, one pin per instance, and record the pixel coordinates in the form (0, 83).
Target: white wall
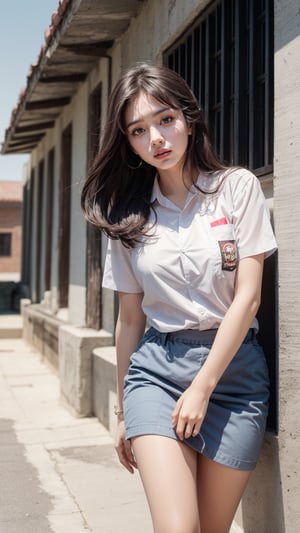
(287, 222)
(156, 28)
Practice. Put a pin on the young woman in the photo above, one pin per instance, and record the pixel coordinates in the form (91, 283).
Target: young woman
(188, 238)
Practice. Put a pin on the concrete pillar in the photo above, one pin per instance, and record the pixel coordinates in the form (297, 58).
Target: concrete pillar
(23, 304)
(105, 386)
(75, 347)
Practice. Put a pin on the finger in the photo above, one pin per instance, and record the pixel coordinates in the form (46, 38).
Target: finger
(123, 458)
(176, 412)
(129, 453)
(189, 430)
(196, 431)
(180, 428)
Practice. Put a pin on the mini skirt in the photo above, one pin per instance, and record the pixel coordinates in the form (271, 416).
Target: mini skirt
(164, 365)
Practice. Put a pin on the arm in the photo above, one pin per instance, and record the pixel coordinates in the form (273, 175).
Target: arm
(191, 407)
(129, 330)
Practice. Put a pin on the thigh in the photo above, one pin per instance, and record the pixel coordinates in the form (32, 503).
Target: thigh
(168, 469)
(220, 489)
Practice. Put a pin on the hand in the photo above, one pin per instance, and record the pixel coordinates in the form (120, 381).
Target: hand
(189, 412)
(123, 448)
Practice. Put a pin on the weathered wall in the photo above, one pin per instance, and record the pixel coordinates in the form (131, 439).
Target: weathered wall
(156, 27)
(287, 222)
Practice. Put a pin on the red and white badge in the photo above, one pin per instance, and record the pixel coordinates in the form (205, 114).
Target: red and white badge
(229, 254)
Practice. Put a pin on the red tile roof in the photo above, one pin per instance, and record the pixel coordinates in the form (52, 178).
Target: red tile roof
(11, 192)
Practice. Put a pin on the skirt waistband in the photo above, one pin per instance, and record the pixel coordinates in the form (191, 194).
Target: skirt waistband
(194, 335)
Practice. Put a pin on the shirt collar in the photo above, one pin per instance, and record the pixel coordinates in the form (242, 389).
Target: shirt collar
(158, 195)
(209, 181)
(205, 180)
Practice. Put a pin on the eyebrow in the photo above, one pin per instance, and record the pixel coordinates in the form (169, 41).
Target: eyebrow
(161, 110)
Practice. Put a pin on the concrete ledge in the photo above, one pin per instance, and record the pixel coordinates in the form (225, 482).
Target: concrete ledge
(11, 326)
(75, 348)
(40, 329)
(105, 386)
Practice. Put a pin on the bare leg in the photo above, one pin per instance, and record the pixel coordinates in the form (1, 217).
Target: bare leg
(220, 490)
(168, 469)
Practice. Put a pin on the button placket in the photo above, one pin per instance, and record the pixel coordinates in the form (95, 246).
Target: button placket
(182, 240)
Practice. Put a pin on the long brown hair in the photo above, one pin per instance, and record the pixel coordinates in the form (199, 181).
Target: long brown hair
(116, 196)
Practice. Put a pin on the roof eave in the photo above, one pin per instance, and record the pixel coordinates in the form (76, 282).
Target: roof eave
(81, 32)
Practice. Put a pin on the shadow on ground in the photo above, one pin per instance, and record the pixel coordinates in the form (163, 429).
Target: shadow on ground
(24, 505)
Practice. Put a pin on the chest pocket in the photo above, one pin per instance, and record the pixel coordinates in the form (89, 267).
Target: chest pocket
(224, 244)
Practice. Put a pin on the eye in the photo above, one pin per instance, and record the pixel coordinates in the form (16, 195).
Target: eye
(167, 120)
(137, 131)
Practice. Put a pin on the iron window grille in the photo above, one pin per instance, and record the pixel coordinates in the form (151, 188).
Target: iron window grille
(227, 59)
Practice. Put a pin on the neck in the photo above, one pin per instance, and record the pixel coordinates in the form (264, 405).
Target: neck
(175, 186)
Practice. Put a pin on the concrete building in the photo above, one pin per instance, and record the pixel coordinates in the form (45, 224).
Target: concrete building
(242, 60)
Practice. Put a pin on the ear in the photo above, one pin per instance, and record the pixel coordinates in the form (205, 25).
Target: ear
(189, 130)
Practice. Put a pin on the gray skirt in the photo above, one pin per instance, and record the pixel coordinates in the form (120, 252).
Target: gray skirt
(164, 365)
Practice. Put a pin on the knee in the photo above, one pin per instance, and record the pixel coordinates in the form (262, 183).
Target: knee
(178, 525)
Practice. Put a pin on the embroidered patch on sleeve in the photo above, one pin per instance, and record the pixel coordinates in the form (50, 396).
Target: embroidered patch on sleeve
(228, 254)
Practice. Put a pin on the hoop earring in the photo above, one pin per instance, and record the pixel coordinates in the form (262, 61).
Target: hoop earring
(135, 168)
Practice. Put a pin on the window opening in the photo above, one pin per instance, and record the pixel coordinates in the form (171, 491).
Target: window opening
(227, 59)
(5, 244)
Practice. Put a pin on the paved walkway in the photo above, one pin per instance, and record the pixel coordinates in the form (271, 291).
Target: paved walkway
(59, 474)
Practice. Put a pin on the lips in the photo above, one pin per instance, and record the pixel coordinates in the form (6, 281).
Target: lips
(160, 154)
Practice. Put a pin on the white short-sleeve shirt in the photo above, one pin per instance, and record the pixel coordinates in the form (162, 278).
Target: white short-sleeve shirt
(187, 268)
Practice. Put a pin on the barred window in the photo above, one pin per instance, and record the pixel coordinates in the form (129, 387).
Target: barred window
(227, 59)
(5, 244)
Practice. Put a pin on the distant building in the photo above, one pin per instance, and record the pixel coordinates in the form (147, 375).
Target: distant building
(10, 244)
(10, 229)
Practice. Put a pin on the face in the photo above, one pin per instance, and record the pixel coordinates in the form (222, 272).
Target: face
(157, 132)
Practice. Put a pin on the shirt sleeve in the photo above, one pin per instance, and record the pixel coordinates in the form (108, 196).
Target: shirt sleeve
(251, 216)
(118, 274)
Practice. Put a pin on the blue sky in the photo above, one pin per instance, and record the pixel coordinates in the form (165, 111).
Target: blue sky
(22, 25)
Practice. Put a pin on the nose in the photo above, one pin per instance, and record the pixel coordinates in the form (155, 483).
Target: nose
(156, 137)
